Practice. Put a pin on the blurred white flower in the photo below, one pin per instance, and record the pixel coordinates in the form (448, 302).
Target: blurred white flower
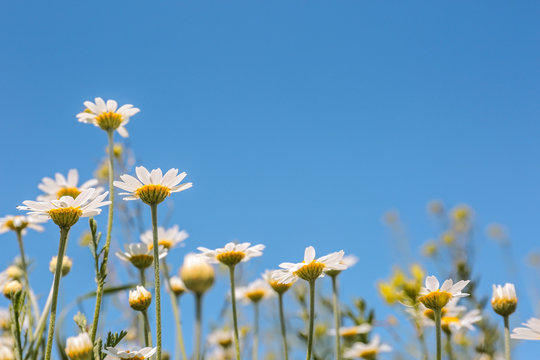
(531, 331)
(20, 223)
(65, 186)
(168, 238)
(367, 351)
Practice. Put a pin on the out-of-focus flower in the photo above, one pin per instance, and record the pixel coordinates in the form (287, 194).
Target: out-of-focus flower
(140, 299)
(197, 274)
(278, 287)
(79, 347)
(402, 288)
(435, 207)
(531, 331)
(391, 217)
(497, 233)
(140, 255)
(311, 268)
(66, 211)
(151, 187)
(66, 265)
(448, 237)
(429, 249)
(6, 353)
(221, 337)
(254, 292)
(5, 322)
(102, 171)
(462, 216)
(350, 332)
(348, 261)
(367, 351)
(14, 272)
(504, 299)
(60, 186)
(20, 223)
(107, 115)
(168, 238)
(434, 298)
(177, 285)
(232, 253)
(133, 354)
(12, 288)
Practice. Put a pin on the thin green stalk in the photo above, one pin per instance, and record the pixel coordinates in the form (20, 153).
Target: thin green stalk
(176, 310)
(17, 333)
(438, 332)
(147, 331)
(283, 329)
(26, 283)
(198, 327)
(449, 350)
(153, 207)
(143, 330)
(422, 339)
(142, 277)
(255, 331)
(337, 316)
(38, 338)
(311, 317)
(57, 276)
(507, 338)
(101, 282)
(235, 319)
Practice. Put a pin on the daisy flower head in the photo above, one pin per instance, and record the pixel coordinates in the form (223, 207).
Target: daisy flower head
(107, 115)
(197, 274)
(278, 287)
(168, 238)
(348, 261)
(504, 299)
(66, 211)
(254, 292)
(6, 353)
(140, 298)
(62, 185)
(434, 298)
(140, 255)
(367, 351)
(350, 332)
(531, 331)
(20, 223)
(151, 187)
(232, 253)
(67, 263)
(461, 321)
(221, 337)
(177, 285)
(133, 354)
(311, 268)
(79, 347)
(5, 322)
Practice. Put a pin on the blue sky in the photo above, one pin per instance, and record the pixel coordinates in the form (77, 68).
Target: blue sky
(298, 122)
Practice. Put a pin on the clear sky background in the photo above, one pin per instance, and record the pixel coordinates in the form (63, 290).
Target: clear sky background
(299, 123)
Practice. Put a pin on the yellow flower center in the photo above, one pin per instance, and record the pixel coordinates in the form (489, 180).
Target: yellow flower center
(167, 244)
(348, 333)
(11, 225)
(72, 191)
(370, 354)
(435, 300)
(109, 120)
(310, 271)
(225, 342)
(446, 321)
(255, 295)
(430, 314)
(141, 261)
(279, 287)
(80, 353)
(65, 217)
(152, 194)
(231, 258)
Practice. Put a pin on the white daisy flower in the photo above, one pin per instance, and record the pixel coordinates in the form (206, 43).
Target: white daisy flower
(232, 253)
(367, 351)
(350, 332)
(140, 255)
(531, 331)
(254, 292)
(221, 354)
(348, 261)
(20, 223)
(79, 347)
(311, 268)
(168, 238)
(434, 298)
(141, 354)
(151, 187)
(278, 287)
(66, 211)
(221, 337)
(504, 299)
(107, 115)
(177, 285)
(65, 186)
(460, 322)
(6, 353)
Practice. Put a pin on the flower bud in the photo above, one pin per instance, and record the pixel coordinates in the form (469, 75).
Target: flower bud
(504, 300)
(12, 288)
(140, 299)
(197, 274)
(14, 272)
(66, 265)
(177, 286)
(79, 347)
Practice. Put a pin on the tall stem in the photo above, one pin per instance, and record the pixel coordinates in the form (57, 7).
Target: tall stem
(176, 311)
(311, 317)
(56, 283)
(283, 328)
(153, 207)
(438, 332)
(38, 338)
(235, 319)
(26, 282)
(144, 317)
(449, 345)
(337, 316)
(255, 331)
(142, 277)
(147, 331)
(506, 338)
(198, 327)
(101, 282)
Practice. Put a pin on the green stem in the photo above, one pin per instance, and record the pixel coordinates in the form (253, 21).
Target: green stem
(235, 319)
(142, 277)
(255, 331)
(103, 271)
(16, 320)
(38, 338)
(153, 207)
(337, 316)
(422, 338)
(176, 310)
(198, 327)
(449, 345)
(56, 283)
(438, 332)
(147, 331)
(507, 338)
(311, 317)
(144, 318)
(26, 283)
(283, 328)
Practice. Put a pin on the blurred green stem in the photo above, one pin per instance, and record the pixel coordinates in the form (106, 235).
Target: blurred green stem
(26, 283)
(506, 338)
(255, 331)
(438, 332)
(283, 328)
(337, 315)
(311, 317)
(147, 331)
(176, 311)
(235, 319)
(198, 328)
(449, 345)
